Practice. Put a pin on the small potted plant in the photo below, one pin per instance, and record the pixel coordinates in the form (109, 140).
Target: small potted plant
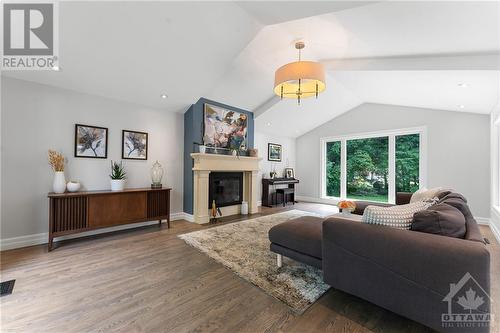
(118, 176)
(346, 206)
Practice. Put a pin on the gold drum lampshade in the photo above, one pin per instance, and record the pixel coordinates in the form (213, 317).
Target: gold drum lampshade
(300, 79)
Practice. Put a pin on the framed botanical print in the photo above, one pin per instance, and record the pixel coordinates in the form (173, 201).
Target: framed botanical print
(91, 141)
(134, 145)
(274, 152)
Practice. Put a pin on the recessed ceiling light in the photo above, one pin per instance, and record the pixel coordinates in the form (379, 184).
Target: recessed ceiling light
(463, 85)
(268, 124)
(164, 96)
(461, 106)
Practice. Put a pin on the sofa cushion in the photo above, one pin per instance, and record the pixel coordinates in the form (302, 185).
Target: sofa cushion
(440, 219)
(399, 217)
(425, 194)
(458, 201)
(302, 234)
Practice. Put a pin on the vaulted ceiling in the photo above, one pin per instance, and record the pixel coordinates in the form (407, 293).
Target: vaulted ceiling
(440, 55)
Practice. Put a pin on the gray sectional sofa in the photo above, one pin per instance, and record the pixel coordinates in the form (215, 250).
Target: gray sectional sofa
(412, 273)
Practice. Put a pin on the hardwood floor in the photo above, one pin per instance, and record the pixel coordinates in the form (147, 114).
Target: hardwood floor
(148, 280)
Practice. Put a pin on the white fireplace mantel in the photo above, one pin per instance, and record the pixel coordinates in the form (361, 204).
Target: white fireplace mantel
(205, 163)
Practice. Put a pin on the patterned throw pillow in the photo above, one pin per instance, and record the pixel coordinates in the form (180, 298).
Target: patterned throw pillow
(399, 217)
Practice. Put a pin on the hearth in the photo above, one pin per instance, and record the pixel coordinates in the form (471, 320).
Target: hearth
(226, 188)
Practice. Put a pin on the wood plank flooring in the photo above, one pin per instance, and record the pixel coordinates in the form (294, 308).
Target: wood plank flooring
(148, 280)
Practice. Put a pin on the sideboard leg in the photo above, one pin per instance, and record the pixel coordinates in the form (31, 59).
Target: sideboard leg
(159, 223)
(51, 239)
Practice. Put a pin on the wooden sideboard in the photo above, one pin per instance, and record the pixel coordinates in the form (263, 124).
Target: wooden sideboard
(71, 213)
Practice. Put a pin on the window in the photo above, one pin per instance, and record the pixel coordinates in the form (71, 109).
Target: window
(373, 167)
(333, 169)
(407, 163)
(367, 169)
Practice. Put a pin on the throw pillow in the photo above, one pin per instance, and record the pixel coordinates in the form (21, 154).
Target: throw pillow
(440, 219)
(425, 194)
(399, 217)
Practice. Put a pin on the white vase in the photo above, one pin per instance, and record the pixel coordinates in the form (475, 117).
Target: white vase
(202, 149)
(59, 184)
(117, 184)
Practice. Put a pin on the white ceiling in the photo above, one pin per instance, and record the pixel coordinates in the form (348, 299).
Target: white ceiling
(227, 51)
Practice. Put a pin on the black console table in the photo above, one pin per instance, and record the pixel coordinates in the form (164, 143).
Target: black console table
(269, 197)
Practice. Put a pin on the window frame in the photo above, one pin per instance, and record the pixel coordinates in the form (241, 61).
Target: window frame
(391, 134)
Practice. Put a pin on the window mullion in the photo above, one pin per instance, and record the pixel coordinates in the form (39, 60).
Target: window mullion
(343, 169)
(392, 169)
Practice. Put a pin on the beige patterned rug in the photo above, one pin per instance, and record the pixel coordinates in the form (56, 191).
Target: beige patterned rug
(243, 247)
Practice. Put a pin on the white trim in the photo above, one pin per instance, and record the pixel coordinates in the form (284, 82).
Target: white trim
(326, 201)
(42, 238)
(391, 195)
(391, 135)
(188, 217)
(482, 220)
(495, 222)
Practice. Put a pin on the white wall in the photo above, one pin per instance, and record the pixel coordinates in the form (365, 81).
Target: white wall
(37, 117)
(458, 148)
(287, 160)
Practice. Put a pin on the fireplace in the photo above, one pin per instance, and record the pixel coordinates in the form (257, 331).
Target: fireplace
(226, 188)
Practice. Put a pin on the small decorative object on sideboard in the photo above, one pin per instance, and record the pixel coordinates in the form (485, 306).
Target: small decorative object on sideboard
(118, 176)
(73, 186)
(56, 161)
(346, 206)
(253, 152)
(156, 175)
(289, 173)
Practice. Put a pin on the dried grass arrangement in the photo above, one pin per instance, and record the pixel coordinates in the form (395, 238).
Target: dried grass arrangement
(56, 160)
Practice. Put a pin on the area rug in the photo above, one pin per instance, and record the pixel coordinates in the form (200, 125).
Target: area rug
(243, 247)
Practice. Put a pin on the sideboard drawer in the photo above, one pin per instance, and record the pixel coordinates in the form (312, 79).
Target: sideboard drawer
(114, 209)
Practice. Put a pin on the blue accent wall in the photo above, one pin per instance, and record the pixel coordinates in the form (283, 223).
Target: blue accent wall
(193, 125)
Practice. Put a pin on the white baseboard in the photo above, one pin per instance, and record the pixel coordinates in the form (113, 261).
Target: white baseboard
(42, 238)
(188, 217)
(316, 200)
(495, 223)
(482, 220)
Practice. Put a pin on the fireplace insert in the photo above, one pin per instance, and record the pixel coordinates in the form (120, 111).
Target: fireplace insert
(226, 188)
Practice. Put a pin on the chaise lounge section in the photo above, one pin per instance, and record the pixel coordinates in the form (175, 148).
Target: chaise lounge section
(407, 272)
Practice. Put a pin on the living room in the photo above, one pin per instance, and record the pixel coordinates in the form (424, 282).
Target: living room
(250, 166)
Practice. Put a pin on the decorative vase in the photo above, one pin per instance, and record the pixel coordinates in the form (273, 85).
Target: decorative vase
(156, 175)
(117, 184)
(59, 184)
(73, 186)
(203, 149)
(234, 152)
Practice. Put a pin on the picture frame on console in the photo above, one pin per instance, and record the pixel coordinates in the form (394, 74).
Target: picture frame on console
(274, 152)
(289, 173)
(134, 145)
(91, 141)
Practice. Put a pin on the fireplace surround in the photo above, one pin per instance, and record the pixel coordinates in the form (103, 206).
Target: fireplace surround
(206, 164)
